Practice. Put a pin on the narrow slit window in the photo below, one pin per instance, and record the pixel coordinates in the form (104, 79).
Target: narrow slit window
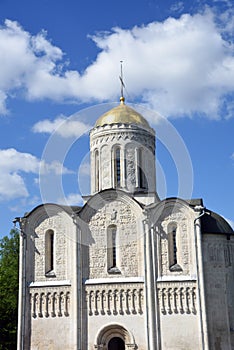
(141, 177)
(96, 171)
(140, 170)
(112, 254)
(174, 246)
(173, 249)
(113, 247)
(49, 252)
(117, 167)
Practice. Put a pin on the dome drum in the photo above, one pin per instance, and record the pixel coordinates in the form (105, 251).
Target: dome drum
(122, 147)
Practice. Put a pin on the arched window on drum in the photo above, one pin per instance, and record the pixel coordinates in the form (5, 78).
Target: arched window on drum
(141, 177)
(97, 172)
(117, 167)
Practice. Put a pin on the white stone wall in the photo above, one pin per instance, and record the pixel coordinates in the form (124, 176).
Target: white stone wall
(57, 224)
(51, 302)
(53, 334)
(56, 219)
(180, 332)
(219, 290)
(178, 314)
(178, 298)
(118, 305)
(51, 321)
(129, 240)
(183, 218)
(53, 317)
(111, 299)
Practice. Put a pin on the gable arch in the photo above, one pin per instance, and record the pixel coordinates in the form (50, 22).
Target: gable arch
(169, 206)
(99, 200)
(44, 211)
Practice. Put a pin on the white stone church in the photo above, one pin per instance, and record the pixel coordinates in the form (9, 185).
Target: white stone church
(127, 270)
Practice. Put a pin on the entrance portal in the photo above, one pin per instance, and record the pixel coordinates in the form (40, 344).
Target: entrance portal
(116, 343)
(115, 337)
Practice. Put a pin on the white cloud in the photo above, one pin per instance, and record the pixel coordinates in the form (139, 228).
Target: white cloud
(14, 165)
(65, 127)
(24, 204)
(71, 199)
(177, 6)
(179, 66)
(11, 161)
(54, 167)
(84, 169)
(12, 186)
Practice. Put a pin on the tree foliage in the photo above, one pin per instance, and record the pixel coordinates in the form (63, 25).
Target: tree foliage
(9, 269)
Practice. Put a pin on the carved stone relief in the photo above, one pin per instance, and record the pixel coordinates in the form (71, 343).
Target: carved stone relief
(130, 168)
(127, 249)
(57, 225)
(140, 137)
(183, 251)
(220, 254)
(105, 167)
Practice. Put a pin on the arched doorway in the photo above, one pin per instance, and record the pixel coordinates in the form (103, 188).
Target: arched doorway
(115, 337)
(116, 343)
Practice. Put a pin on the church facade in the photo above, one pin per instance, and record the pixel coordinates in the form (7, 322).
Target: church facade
(127, 270)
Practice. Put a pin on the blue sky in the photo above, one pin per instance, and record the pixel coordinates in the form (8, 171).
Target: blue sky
(59, 68)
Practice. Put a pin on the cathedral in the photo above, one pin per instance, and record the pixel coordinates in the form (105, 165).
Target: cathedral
(127, 270)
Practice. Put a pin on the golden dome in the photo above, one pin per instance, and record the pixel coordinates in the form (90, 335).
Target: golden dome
(122, 114)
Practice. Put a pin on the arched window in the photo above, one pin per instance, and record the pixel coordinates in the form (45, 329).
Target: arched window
(173, 248)
(142, 181)
(117, 167)
(96, 161)
(112, 253)
(49, 253)
(174, 257)
(140, 170)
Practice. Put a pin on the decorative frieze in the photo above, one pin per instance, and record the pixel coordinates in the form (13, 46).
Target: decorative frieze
(138, 136)
(177, 298)
(50, 303)
(130, 168)
(117, 300)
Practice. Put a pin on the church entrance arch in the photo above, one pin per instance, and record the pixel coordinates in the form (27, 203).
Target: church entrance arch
(116, 343)
(115, 337)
